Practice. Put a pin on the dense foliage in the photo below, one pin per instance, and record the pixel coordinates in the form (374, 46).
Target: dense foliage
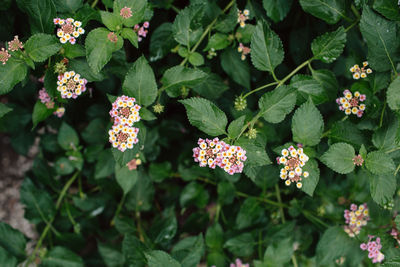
(178, 133)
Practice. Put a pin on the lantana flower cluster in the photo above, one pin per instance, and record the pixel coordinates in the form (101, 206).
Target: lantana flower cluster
(237, 263)
(125, 113)
(13, 45)
(141, 30)
(374, 249)
(125, 12)
(356, 218)
(360, 72)
(213, 153)
(71, 85)
(46, 99)
(69, 30)
(358, 160)
(351, 104)
(244, 50)
(242, 17)
(293, 160)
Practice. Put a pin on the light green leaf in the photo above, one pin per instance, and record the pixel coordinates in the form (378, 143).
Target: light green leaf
(99, 49)
(237, 69)
(138, 8)
(187, 27)
(309, 87)
(140, 82)
(196, 59)
(266, 48)
(217, 41)
(62, 257)
(157, 258)
(380, 35)
(178, 76)
(4, 109)
(277, 9)
(111, 20)
(328, 10)
(379, 163)
(235, 127)
(275, 105)
(11, 73)
(67, 137)
(12, 240)
(255, 151)
(40, 113)
(382, 188)
(131, 36)
(311, 182)
(205, 115)
(339, 158)
(126, 178)
(393, 94)
(42, 46)
(307, 124)
(73, 50)
(329, 46)
(189, 251)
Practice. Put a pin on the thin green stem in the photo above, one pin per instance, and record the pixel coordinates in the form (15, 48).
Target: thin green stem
(121, 203)
(274, 76)
(351, 26)
(94, 3)
(397, 170)
(325, 134)
(310, 67)
(355, 11)
(382, 113)
(278, 196)
(302, 65)
(261, 199)
(260, 88)
(174, 8)
(392, 150)
(314, 218)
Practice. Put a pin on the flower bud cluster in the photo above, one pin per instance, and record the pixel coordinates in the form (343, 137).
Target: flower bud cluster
(69, 30)
(374, 249)
(141, 30)
(360, 72)
(358, 160)
(242, 17)
(213, 153)
(293, 160)
(125, 113)
(356, 218)
(351, 104)
(244, 50)
(13, 45)
(71, 85)
(125, 12)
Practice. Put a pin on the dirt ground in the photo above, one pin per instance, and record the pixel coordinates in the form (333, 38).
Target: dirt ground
(12, 169)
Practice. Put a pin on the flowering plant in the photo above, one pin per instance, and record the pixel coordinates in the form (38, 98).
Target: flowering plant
(108, 99)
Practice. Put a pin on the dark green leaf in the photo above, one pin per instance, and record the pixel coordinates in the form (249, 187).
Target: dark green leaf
(196, 59)
(275, 105)
(249, 213)
(11, 73)
(241, 245)
(111, 256)
(255, 151)
(134, 250)
(161, 41)
(339, 158)
(40, 113)
(311, 182)
(62, 257)
(42, 46)
(4, 109)
(157, 258)
(6, 259)
(186, 28)
(330, 11)
(211, 87)
(378, 162)
(126, 178)
(393, 94)
(189, 251)
(382, 188)
(12, 240)
(69, 6)
(41, 14)
(138, 8)
(277, 9)
(236, 68)
(194, 194)
(388, 8)
(235, 127)
(217, 41)
(329, 46)
(105, 165)
(67, 137)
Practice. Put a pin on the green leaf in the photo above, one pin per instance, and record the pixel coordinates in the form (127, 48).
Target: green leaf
(111, 20)
(111, 256)
(211, 87)
(95, 132)
(81, 66)
(12, 240)
(330, 11)
(237, 69)
(140, 82)
(178, 76)
(266, 48)
(378, 162)
(235, 127)
(157, 258)
(217, 41)
(11, 73)
(205, 115)
(160, 171)
(41, 14)
(241, 245)
(189, 251)
(4, 109)
(64, 166)
(255, 151)
(134, 251)
(275, 105)
(67, 137)
(226, 22)
(393, 94)
(73, 51)
(309, 87)
(394, 262)
(62, 257)
(382, 188)
(40, 113)
(339, 158)
(69, 6)
(42, 46)
(397, 221)
(249, 214)
(126, 178)
(99, 49)
(311, 182)
(307, 124)
(277, 9)
(215, 237)
(345, 131)
(329, 46)
(328, 81)
(105, 165)
(141, 196)
(161, 41)
(194, 194)
(131, 36)
(187, 27)
(226, 192)
(279, 253)
(387, 8)
(196, 59)
(380, 35)
(138, 8)
(146, 114)
(384, 139)
(6, 259)
(39, 205)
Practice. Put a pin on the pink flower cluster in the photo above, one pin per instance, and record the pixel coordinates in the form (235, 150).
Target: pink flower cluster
(237, 263)
(124, 112)
(356, 217)
(71, 85)
(244, 50)
(214, 153)
(46, 99)
(141, 30)
(351, 104)
(69, 30)
(13, 45)
(395, 234)
(373, 248)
